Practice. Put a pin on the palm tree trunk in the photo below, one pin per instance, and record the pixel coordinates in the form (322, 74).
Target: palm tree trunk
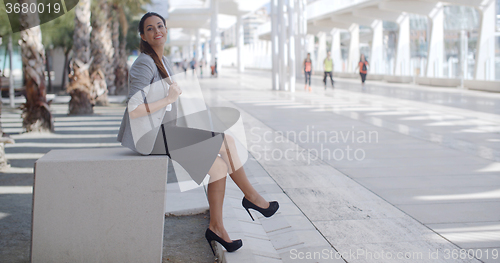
(4, 139)
(35, 112)
(65, 68)
(102, 50)
(80, 87)
(116, 49)
(121, 69)
(47, 66)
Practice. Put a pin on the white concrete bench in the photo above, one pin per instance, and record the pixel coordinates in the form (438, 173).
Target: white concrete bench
(398, 79)
(484, 85)
(439, 82)
(98, 205)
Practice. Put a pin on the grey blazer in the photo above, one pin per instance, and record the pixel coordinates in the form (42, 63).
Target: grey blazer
(142, 73)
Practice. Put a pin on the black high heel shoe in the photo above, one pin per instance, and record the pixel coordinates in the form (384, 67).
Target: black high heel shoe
(230, 247)
(267, 212)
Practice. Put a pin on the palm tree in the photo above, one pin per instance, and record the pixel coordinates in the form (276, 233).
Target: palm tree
(80, 87)
(4, 139)
(102, 47)
(4, 30)
(93, 52)
(35, 112)
(124, 10)
(120, 62)
(58, 33)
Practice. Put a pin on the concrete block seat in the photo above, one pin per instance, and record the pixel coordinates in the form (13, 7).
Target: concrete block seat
(371, 76)
(439, 82)
(98, 205)
(484, 85)
(351, 75)
(398, 79)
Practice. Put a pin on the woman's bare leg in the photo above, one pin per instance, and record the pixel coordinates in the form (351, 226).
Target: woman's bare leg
(215, 192)
(237, 172)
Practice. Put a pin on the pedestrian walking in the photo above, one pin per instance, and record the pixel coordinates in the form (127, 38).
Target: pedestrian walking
(192, 63)
(328, 68)
(184, 66)
(363, 69)
(215, 68)
(308, 69)
(202, 63)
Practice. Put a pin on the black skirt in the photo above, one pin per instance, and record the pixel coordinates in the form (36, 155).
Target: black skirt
(193, 148)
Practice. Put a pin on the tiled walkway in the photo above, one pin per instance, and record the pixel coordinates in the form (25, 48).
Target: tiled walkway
(426, 160)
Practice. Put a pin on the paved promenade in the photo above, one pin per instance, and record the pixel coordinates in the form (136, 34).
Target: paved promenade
(392, 173)
(420, 163)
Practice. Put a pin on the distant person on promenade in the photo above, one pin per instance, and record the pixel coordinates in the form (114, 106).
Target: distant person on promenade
(308, 70)
(328, 68)
(184, 66)
(363, 69)
(201, 63)
(215, 68)
(193, 65)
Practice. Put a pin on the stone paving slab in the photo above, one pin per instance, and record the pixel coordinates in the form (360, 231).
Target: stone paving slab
(402, 172)
(434, 195)
(478, 211)
(189, 202)
(429, 182)
(487, 255)
(487, 233)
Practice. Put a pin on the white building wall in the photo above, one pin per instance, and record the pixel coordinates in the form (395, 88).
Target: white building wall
(256, 55)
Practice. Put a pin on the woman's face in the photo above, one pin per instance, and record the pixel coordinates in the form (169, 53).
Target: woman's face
(155, 32)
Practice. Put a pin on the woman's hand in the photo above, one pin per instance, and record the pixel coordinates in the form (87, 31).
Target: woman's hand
(172, 96)
(173, 92)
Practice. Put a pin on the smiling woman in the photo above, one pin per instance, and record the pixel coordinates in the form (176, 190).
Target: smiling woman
(153, 31)
(149, 126)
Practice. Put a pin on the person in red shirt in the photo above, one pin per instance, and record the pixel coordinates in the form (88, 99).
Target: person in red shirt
(363, 68)
(308, 70)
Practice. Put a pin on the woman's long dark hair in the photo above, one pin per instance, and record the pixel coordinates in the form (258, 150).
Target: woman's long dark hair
(361, 57)
(145, 48)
